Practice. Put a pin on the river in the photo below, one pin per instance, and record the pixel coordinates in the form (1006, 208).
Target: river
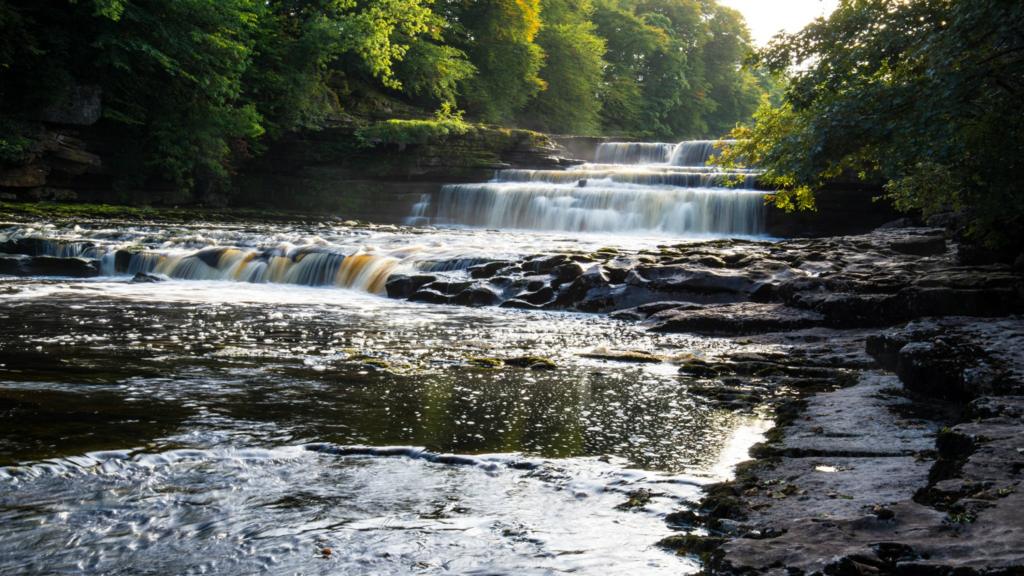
(266, 409)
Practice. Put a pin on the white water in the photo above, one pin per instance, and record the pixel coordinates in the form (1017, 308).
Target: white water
(631, 188)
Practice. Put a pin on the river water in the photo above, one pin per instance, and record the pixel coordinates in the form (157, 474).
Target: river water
(266, 410)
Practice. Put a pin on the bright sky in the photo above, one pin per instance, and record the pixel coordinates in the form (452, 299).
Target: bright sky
(766, 17)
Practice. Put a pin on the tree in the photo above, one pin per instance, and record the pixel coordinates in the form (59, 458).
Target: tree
(927, 96)
(498, 36)
(572, 72)
(733, 90)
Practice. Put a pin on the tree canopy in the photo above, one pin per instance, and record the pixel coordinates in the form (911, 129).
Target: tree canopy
(192, 87)
(926, 96)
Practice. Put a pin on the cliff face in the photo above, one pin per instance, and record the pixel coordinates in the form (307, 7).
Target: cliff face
(330, 171)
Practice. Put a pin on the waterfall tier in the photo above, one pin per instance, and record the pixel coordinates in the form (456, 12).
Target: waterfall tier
(631, 187)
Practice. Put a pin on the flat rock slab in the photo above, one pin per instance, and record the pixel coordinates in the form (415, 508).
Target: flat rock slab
(859, 421)
(828, 487)
(855, 487)
(734, 319)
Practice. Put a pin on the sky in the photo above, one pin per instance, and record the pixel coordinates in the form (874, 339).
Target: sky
(766, 17)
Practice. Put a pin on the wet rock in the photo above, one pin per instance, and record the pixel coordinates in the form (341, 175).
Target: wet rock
(698, 368)
(567, 272)
(431, 297)
(13, 265)
(477, 295)
(863, 480)
(734, 319)
(592, 278)
(929, 245)
(545, 265)
(487, 270)
(521, 304)
(49, 266)
(123, 260)
(712, 261)
(692, 544)
(486, 362)
(637, 356)
(637, 500)
(147, 278)
(644, 311)
(402, 286)
(698, 284)
(541, 297)
(211, 256)
(618, 268)
(26, 246)
(532, 362)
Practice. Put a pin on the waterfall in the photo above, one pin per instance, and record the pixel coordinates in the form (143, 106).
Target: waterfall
(631, 187)
(696, 152)
(308, 265)
(303, 265)
(604, 207)
(633, 152)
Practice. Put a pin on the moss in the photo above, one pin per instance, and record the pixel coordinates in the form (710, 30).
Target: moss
(637, 499)
(370, 361)
(486, 362)
(692, 544)
(406, 132)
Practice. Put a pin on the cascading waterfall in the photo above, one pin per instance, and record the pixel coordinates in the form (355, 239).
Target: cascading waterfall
(308, 265)
(631, 187)
(696, 152)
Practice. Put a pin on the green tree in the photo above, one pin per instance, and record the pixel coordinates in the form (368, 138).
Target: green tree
(926, 95)
(630, 42)
(498, 36)
(573, 70)
(674, 68)
(733, 91)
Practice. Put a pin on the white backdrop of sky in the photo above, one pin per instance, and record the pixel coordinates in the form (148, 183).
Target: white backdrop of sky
(767, 17)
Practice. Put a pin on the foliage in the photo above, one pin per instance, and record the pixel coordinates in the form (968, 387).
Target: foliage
(674, 68)
(498, 36)
(573, 70)
(447, 122)
(15, 146)
(191, 89)
(926, 95)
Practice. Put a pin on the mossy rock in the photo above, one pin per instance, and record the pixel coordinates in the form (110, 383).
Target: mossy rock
(692, 545)
(637, 356)
(486, 362)
(637, 500)
(698, 368)
(532, 362)
(371, 361)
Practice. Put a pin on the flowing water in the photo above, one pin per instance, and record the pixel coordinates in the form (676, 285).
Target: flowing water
(631, 188)
(264, 410)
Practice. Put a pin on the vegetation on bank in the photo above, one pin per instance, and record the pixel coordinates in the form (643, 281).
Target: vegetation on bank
(926, 96)
(62, 211)
(191, 89)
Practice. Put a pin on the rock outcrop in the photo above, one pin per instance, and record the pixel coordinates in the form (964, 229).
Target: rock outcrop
(733, 287)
